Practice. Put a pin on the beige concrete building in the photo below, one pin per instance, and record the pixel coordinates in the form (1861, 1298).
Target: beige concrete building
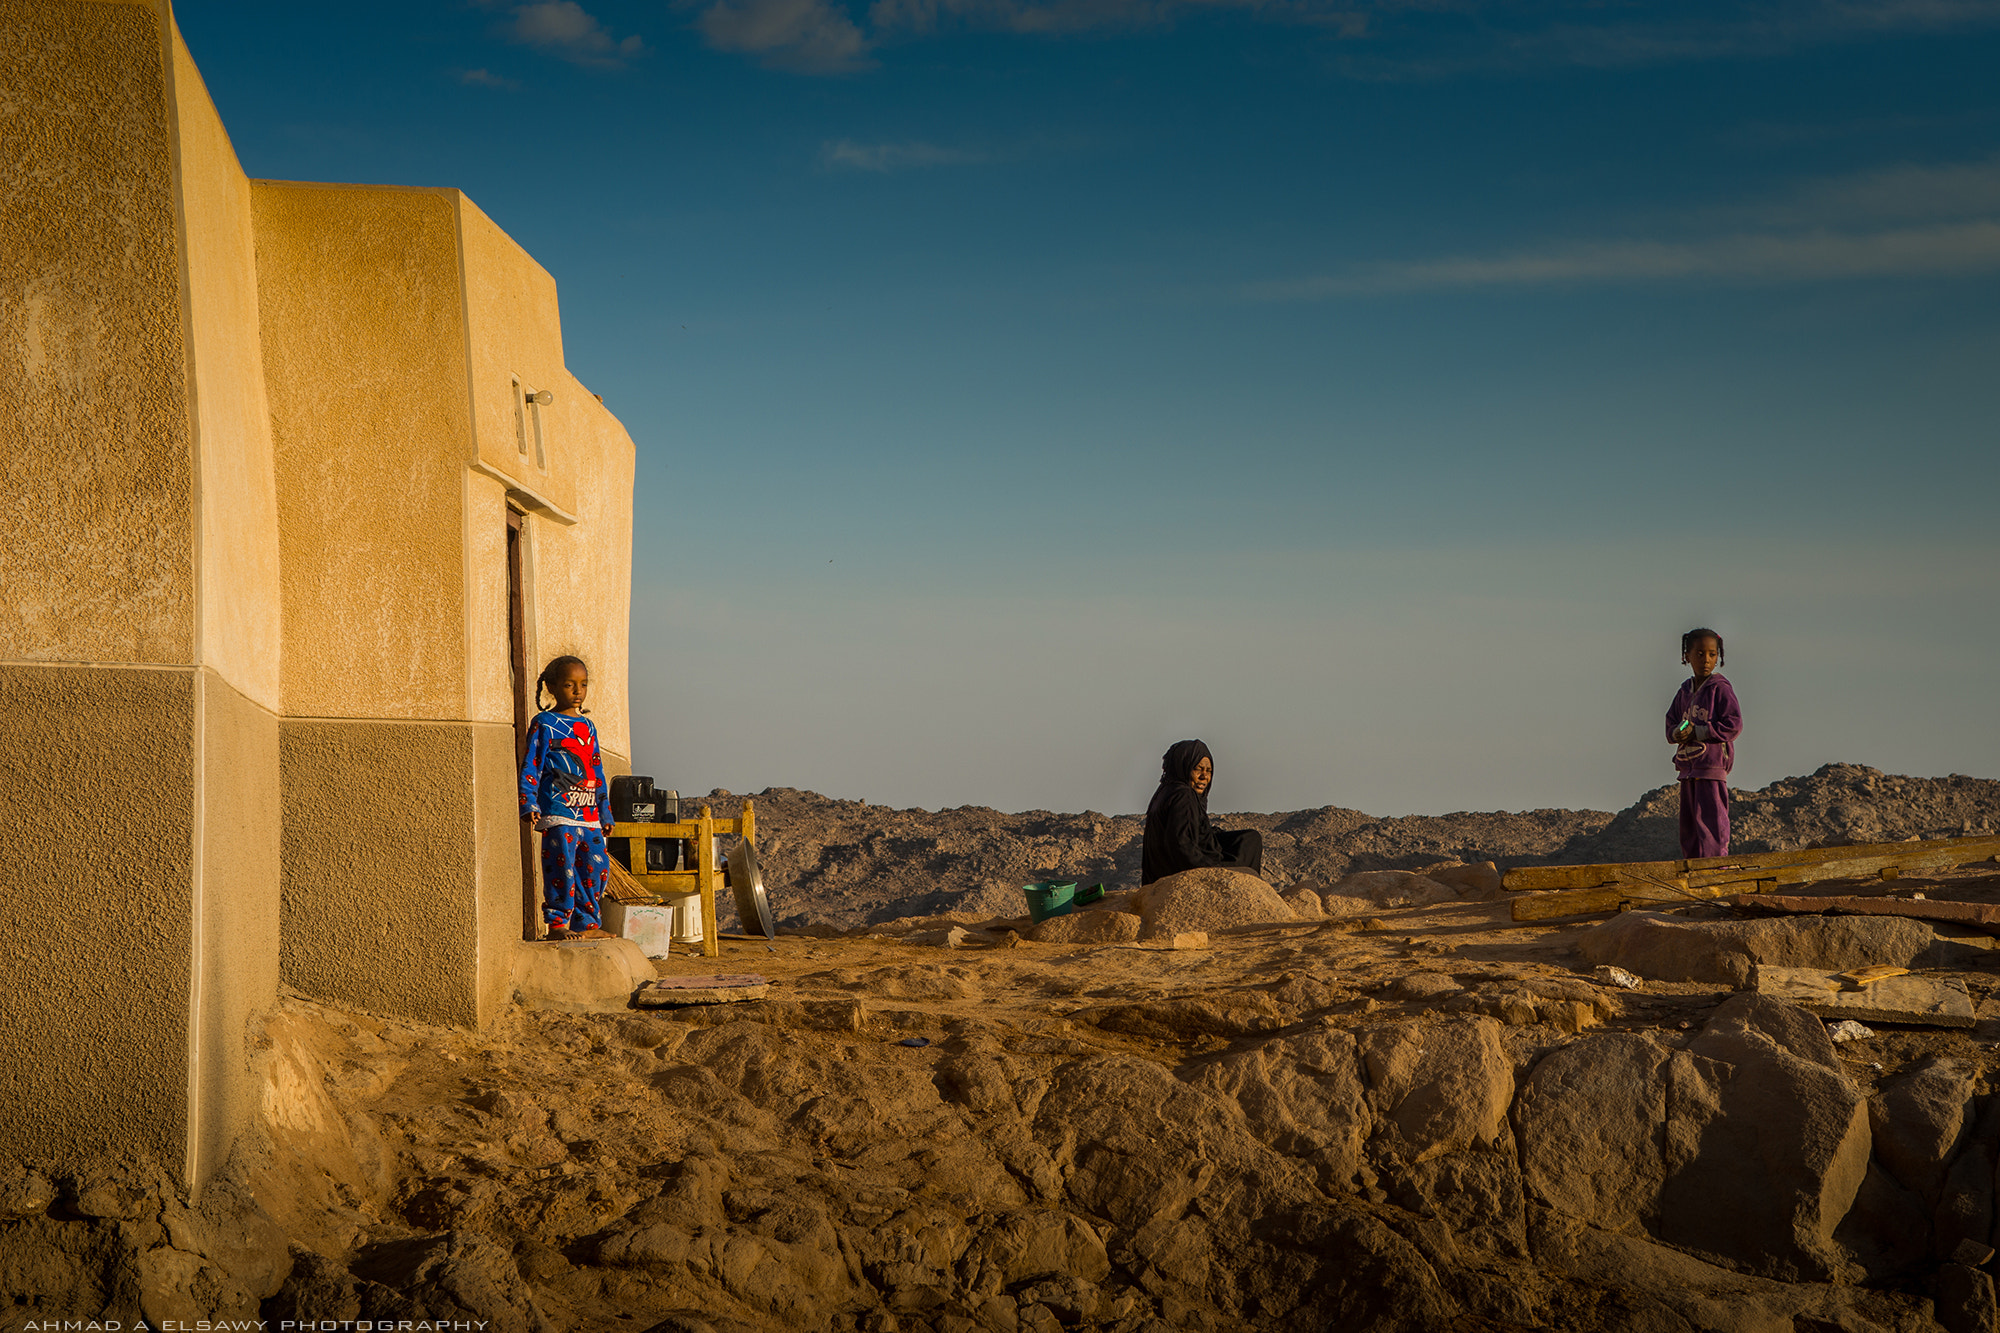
(300, 493)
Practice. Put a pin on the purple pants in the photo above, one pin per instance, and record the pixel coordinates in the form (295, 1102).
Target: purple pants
(1704, 817)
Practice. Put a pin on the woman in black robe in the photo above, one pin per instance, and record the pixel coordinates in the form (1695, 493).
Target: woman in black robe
(1178, 834)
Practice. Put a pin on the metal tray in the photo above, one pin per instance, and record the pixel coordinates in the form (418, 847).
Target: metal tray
(746, 881)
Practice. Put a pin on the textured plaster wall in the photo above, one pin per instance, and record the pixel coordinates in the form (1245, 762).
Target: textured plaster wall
(514, 328)
(583, 574)
(489, 683)
(98, 910)
(364, 359)
(501, 895)
(383, 914)
(237, 497)
(98, 562)
(238, 914)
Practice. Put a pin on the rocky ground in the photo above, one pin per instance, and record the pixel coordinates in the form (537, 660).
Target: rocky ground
(847, 863)
(1414, 1117)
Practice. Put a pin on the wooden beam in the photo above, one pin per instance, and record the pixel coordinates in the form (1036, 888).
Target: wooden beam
(1936, 851)
(1616, 883)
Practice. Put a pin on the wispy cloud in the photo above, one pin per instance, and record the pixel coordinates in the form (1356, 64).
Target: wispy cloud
(485, 78)
(1392, 39)
(804, 36)
(1906, 220)
(1941, 251)
(884, 158)
(566, 28)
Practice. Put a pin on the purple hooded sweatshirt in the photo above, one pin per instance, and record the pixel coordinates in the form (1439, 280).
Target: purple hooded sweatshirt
(1718, 721)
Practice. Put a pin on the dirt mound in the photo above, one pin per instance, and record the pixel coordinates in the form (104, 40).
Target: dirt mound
(847, 863)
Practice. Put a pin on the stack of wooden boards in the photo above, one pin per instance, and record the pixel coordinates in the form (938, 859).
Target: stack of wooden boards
(1553, 891)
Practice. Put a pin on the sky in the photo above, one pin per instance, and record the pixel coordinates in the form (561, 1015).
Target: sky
(1373, 390)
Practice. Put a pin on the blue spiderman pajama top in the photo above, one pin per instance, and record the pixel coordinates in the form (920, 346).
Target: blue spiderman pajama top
(562, 784)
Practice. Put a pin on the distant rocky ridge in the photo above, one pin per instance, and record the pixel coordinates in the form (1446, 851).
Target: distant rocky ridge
(847, 863)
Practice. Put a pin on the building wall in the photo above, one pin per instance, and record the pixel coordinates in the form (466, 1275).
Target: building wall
(381, 913)
(139, 648)
(236, 483)
(235, 890)
(236, 918)
(99, 558)
(94, 1035)
(513, 330)
(256, 611)
(581, 571)
(364, 362)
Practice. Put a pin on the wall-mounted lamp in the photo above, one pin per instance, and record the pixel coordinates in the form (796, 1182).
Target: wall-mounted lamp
(541, 398)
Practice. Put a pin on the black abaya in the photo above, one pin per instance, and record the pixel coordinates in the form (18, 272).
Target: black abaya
(1178, 835)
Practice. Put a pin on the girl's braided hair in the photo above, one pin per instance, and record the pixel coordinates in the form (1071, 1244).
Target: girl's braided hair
(552, 673)
(1688, 640)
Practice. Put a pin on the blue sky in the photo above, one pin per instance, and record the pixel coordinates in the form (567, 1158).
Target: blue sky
(1375, 391)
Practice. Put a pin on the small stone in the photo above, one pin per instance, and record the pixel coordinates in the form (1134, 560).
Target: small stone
(1616, 976)
(1849, 1030)
(1972, 1254)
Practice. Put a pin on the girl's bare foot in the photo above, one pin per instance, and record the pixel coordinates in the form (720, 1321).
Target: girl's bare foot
(594, 933)
(557, 935)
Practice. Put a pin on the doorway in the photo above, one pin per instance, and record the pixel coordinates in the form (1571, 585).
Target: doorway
(523, 681)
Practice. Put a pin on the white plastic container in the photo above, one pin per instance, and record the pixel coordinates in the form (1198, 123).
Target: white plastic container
(648, 925)
(687, 919)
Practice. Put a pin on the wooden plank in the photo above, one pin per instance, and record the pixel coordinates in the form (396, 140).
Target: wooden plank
(1971, 914)
(1935, 851)
(1566, 902)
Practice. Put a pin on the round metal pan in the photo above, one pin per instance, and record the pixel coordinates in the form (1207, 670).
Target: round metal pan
(746, 881)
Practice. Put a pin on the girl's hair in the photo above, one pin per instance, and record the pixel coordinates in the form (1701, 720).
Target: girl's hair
(552, 673)
(1688, 641)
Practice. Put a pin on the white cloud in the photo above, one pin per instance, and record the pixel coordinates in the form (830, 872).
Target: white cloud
(1907, 220)
(485, 78)
(1900, 193)
(1951, 249)
(847, 155)
(563, 26)
(805, 36)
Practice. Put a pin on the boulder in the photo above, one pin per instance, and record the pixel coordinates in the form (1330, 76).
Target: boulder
(1423, 986)
(457, 1275)
(1137, 1145)
(1392, 888)
(579, 976)
(1441, 1086)
(1749, 1148)
(1479, 880)
(1766, 1150)
(1020, 1247)
(1591, 1120)
(1092, 927)
(1303, 1096)
(1919, 1122)
(1209, 898)
(1306, 904)
(1666, 948)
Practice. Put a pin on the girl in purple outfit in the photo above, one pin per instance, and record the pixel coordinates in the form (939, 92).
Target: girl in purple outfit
(1703, 724)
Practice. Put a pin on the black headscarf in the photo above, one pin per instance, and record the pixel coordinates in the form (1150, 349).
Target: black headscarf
(1177, 765)
(1178, 835)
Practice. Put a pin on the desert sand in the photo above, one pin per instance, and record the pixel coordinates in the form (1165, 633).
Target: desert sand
(1416, 1115)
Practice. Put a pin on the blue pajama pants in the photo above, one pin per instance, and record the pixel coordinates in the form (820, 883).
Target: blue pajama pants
(573, 872)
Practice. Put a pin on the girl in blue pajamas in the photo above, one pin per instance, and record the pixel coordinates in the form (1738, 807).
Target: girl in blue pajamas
(564, 795)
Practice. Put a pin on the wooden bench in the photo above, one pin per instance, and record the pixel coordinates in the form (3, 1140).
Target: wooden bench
(705, 878)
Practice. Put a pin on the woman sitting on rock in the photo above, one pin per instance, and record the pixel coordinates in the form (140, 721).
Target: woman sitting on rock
(1178, 834)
